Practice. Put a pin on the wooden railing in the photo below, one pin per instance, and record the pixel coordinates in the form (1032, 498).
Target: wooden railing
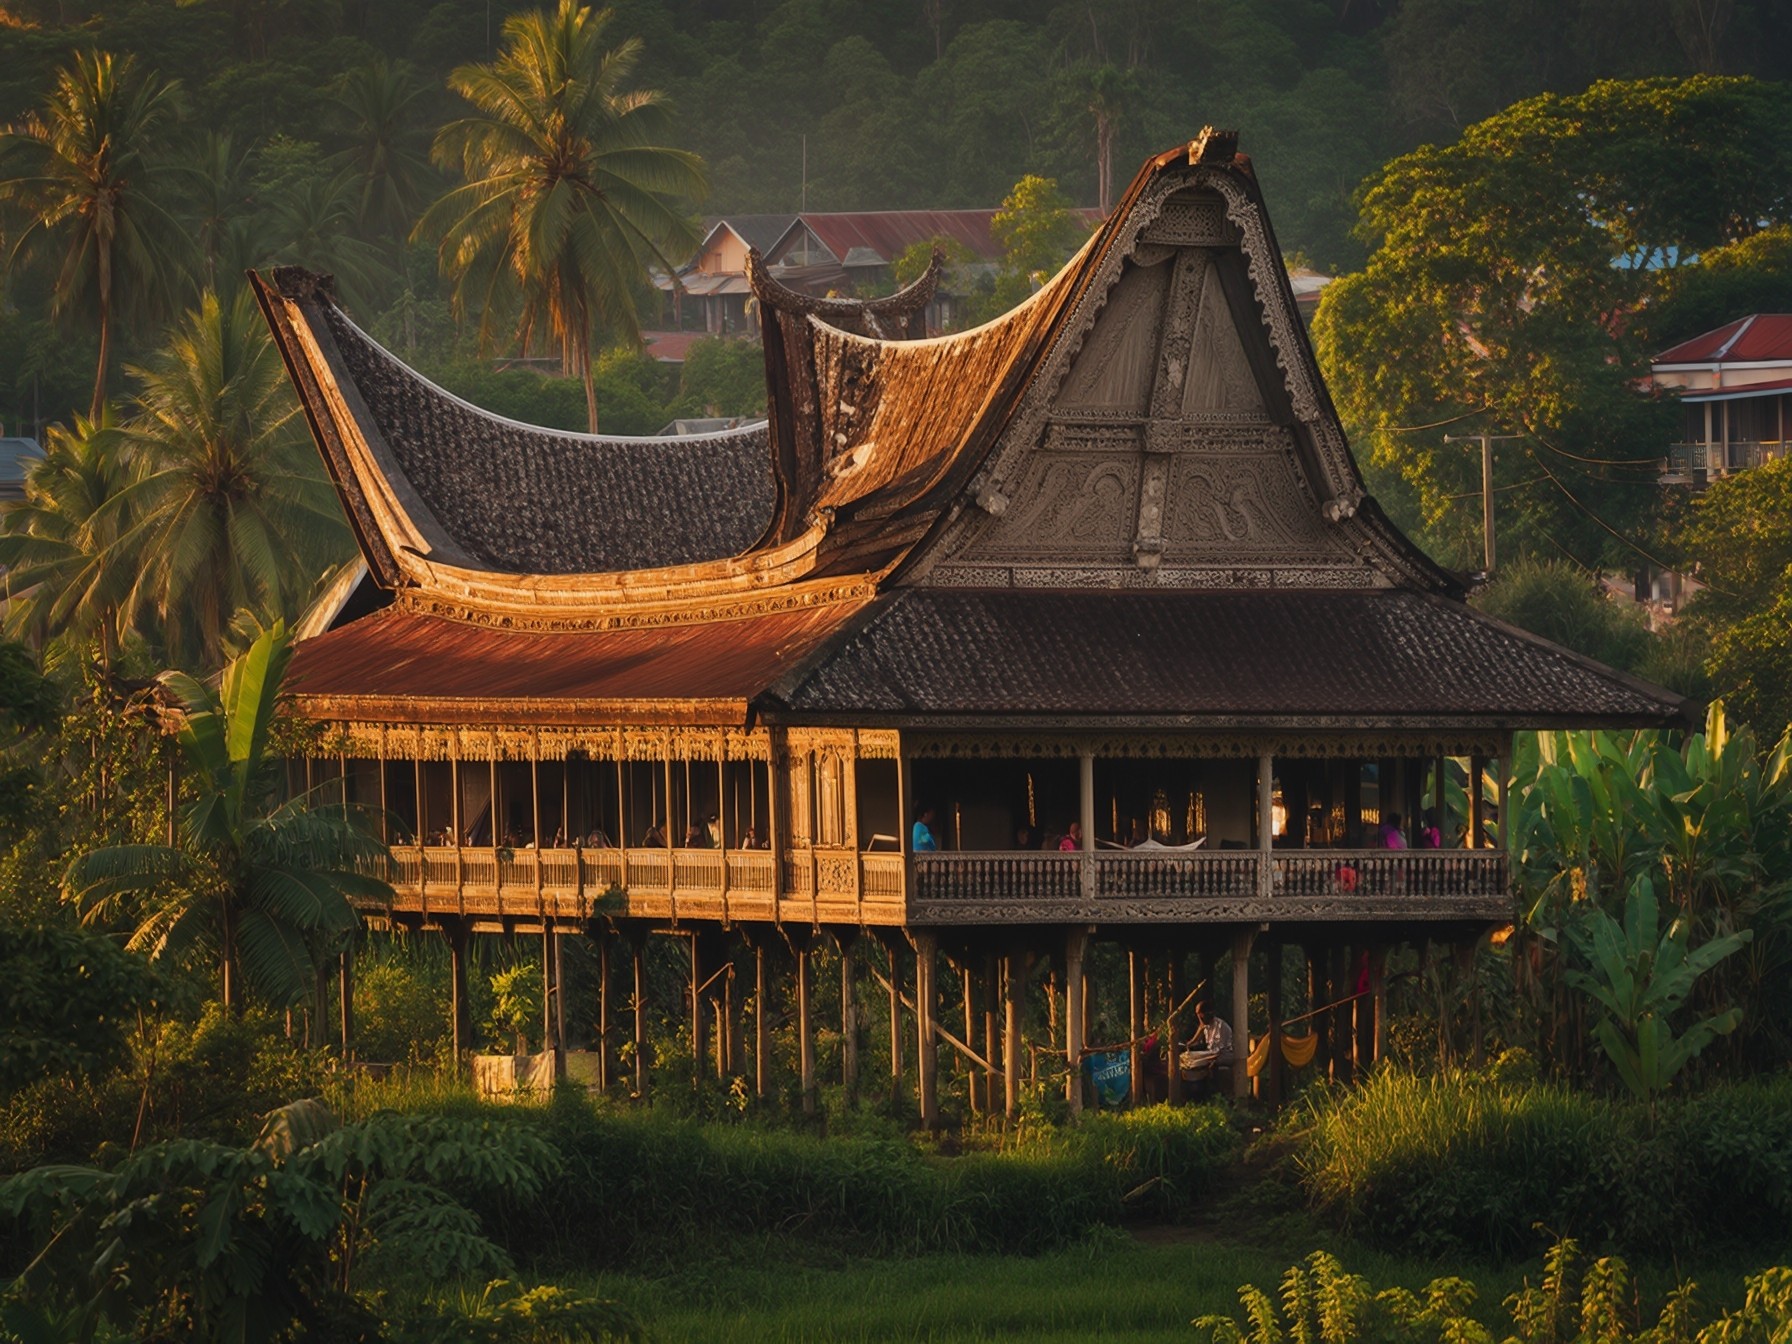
(1391, 872)
(998, 876)
(1199, 875)
(1154, 874)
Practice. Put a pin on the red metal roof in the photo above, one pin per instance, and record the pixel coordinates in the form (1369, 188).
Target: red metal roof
(422, 668)
(888, 232)
(1759, 338)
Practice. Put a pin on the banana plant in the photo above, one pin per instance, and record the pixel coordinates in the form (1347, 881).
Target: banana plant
(1640, 977)
(258, 885)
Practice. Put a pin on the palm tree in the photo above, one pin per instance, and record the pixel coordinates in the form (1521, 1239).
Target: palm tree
(228, 509)
(88, 183)
(569, 200)
(61, 571)
(378, 114)
(312, 222)
(259, 886)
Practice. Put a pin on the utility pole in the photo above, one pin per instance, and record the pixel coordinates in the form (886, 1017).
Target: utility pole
(1486, 441)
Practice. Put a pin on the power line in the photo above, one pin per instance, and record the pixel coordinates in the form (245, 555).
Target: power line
(1439, 424)
(1574, 500)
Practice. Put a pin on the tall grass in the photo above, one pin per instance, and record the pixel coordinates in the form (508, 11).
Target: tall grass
(1469, 1163)
(643, 1187)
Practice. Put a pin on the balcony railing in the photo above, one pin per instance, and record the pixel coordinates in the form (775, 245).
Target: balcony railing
(1158, 875)
(1717, 458)
(743, 883)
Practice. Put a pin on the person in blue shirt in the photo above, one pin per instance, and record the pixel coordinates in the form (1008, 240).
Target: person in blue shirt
(923, 841)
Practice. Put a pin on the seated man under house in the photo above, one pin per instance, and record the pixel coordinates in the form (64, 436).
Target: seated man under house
(1105, 562)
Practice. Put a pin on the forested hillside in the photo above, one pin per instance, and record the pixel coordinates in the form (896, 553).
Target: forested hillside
(306, 124)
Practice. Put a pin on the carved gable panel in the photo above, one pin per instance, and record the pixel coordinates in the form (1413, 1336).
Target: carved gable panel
(1069, 505)
(1113, 371)
(1248, 506)
(1219, 375)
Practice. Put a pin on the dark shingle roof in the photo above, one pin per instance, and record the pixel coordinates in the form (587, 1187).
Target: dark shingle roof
(1296, 654)
(536, 501)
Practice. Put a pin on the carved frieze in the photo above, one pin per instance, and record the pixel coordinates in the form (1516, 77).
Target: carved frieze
(1319, 745)
(1222, 910)
(1068, 505)
(1114, 369)
(1243, 507)
(1193, 219)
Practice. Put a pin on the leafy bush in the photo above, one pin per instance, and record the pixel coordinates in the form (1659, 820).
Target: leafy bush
(1322, 1303)
(1466, 1163)
(642, 1186)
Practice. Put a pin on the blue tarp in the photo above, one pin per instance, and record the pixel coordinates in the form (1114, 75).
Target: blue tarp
(1112, 1076)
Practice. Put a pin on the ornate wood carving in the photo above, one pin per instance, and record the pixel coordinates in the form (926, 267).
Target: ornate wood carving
(1212, 910)
(409, 742)
(1427, 744)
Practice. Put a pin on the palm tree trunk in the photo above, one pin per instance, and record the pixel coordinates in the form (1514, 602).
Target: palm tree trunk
(233, 989)
(590, 387)
(99, 376)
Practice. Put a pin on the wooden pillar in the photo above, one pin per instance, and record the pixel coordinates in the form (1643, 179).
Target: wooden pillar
(927, 1056)
(346, 984)
(1477, 828)
(1014, 983)
(1362, 1053)
(973, 1082)
(1241, 1012)
(1318, 995)
(1273, 1090)
(1135, 1025)
(1265, 824)
(730, 1044)
(1086, 814)
(895, 987)
(1172, 1042)
(762, 1025)
(459, 1006)
(849, 1015)
(606, 1047)
(638, 950)
(696, 1010)
(993, 1086)
(549, 1041)
(1076, 943)
(805, 1030)
(1378, 994)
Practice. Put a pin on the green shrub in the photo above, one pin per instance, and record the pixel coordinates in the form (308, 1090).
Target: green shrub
(644, 1186)
(1464, 1163)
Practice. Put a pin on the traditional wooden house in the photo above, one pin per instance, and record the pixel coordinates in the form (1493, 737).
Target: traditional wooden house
(1103, 569)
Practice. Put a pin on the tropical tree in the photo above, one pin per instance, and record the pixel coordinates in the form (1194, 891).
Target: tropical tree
(228, 509)
(89, 179)
(377, 113)
(570, 199)
(258, 885)
(1504, 293)
(57, 544)
(314, 223)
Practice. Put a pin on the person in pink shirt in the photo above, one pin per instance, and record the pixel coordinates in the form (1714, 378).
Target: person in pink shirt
(1074, 840)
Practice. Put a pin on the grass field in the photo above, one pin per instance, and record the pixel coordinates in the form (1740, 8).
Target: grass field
(1114, 1286)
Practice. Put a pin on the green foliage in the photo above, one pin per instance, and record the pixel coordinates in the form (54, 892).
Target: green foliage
(1501, 293)
(1323, 1304)
(516, 1005)
(1565, 604)
(260, 885)
(1035, 228)
(723, 377)
(1708, 824)
(292, 1236)
(67, 998)
(639, 1186)
(568, 199)
(1470, 1163)
(1740, 533)
(1641, 976)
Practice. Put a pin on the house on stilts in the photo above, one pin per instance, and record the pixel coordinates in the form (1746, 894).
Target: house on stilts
(1103, 567)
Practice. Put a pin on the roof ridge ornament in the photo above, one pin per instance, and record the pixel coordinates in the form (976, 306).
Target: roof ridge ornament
(892, 317)
(298, 284)
(1216, 148)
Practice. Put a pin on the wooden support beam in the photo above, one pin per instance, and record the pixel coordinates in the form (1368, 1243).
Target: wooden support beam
(1378, 994)
(1076, 943)
(1014, 984)
(1172, 1044)
(967, 991)
(638, 950)
(606, 1047)
(805, 1030)
(992, 1040)
(696, 1004)
(459, 1005)
(895, 1019)
(762, 1024)
(347, 988)
(926, 1000)
(1135, 1025)
(1274, 1089)
(1241, 1011)
(849, 1015)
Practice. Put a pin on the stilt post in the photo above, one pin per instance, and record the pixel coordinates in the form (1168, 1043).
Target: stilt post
(1241, 1010)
